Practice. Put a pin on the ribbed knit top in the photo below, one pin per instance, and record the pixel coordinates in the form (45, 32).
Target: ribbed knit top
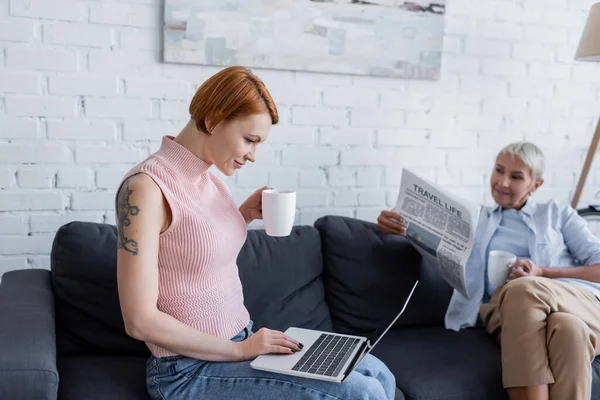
(199, 282)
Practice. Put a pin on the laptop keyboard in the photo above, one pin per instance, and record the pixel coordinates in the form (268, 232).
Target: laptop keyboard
(327, 355)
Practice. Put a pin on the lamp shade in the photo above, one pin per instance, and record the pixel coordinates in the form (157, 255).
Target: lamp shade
(589, 45)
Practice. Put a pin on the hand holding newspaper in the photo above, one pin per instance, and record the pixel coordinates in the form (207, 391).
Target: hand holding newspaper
(440, 225)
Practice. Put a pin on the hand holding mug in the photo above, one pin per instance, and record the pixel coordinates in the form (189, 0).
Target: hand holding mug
(524, 267)
(251, 209)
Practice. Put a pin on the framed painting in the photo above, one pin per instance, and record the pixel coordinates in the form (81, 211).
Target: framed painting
(388, 38)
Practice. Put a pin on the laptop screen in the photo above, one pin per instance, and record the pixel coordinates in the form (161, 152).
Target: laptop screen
(376, 336)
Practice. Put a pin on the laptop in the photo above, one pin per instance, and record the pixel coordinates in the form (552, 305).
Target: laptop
(326, 356)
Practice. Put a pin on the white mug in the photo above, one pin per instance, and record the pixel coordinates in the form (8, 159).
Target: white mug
(499, 263)
(278, 211)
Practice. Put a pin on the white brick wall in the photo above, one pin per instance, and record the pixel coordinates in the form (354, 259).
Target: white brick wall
(19, 82)
(82, 34)
(125, 14)
(13, 225)
(16, 30)
(21, 200)
(117, 108)
(32, 106)
(75, 177)
(18, 128)
(41, 59)
(28, 153)
(35, 178)
(79, 129)
(93, 86)
(62, 10)
(84, 96)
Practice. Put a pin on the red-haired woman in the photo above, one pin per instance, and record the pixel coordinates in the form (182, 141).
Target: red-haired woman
(180, 234)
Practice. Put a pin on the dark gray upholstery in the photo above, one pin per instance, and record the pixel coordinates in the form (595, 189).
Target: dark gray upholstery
(434, 363)
(89, 319)
(282, 280)
(27, 338)
(84, 273)
(344, 275)
(456, 366)
(97, 377)
(596, 378)
(368, 276)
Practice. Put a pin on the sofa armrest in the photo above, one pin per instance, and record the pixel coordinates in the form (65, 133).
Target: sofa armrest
(27, 336)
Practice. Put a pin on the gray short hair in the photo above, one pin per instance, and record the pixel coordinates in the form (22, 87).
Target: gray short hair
(530, 154)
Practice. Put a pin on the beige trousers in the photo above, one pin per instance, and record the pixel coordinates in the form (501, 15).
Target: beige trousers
(548, 333)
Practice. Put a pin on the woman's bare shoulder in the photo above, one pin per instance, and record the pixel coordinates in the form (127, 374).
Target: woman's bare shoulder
(139, 190)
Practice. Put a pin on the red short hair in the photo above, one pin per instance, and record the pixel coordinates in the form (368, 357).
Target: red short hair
(234, 92)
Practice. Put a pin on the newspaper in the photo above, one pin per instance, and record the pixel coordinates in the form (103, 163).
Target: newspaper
(440, 225)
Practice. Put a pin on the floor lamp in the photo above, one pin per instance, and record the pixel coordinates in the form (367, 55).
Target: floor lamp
(589, 50)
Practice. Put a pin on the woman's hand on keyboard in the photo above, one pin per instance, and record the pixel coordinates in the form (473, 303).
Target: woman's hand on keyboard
(267, 341)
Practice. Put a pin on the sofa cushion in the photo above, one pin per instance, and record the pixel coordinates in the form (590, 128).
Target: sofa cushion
(596, 378)
(435, 363)
(88, 314)
(368, 276)
(100, 377)
(282, 280)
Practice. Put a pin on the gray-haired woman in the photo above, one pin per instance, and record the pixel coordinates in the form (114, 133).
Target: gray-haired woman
(547, 317)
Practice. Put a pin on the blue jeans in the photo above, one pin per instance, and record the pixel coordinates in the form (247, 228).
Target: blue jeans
(180, 377)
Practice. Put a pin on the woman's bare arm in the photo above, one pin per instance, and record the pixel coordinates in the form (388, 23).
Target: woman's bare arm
(141, 216)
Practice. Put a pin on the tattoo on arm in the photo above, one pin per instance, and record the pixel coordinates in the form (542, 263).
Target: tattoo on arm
(125, 210)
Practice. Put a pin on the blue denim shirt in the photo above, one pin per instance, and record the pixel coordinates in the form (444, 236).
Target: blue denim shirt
(557, 237)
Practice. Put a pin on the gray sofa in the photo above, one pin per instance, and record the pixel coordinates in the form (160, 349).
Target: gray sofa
(62, 334)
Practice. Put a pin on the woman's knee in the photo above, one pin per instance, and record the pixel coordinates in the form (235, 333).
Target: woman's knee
(364, 387)
(372, 379)
(569, 332)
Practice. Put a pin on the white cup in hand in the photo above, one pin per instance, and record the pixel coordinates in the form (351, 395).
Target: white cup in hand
(278, 211)
(499, 265)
